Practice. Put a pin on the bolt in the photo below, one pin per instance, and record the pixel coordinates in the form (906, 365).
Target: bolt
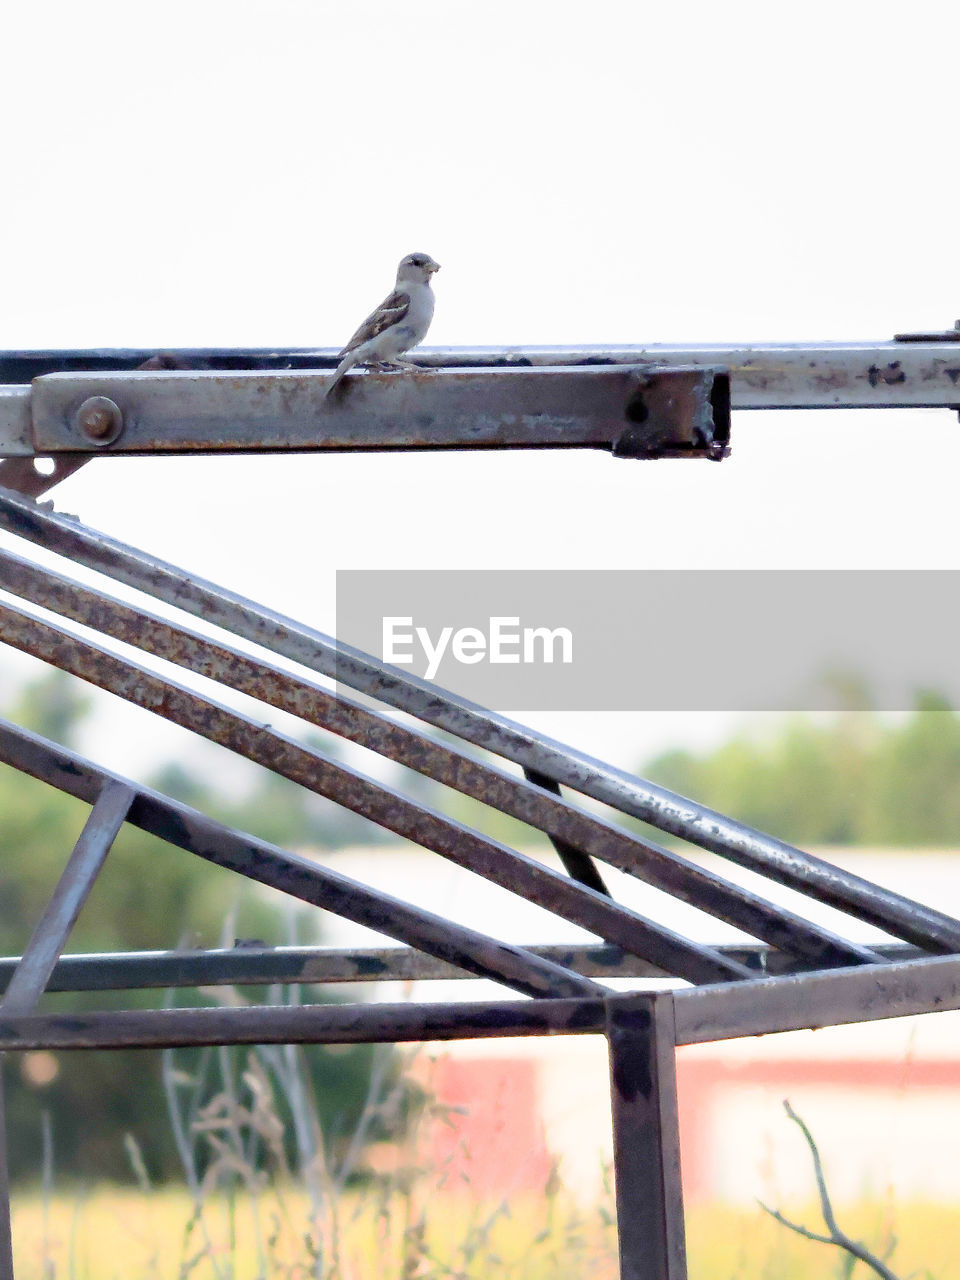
(99, 419)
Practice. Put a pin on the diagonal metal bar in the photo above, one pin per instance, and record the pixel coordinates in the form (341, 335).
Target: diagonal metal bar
(576, 834)
(258, 860)
(389, 809)
(577, 864)
(83, 866)
(892, 912)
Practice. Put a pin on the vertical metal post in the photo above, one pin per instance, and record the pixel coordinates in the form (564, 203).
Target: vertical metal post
(6, 1236)
(641, 1039)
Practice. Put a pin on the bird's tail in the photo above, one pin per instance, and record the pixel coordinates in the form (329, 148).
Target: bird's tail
(343, 368)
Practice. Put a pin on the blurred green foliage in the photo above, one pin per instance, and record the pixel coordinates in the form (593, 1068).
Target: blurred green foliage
(850, 778)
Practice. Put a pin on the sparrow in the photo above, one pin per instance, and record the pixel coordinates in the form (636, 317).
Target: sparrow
(399, 323)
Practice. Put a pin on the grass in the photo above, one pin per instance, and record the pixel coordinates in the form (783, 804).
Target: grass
(116, 1233)
(265, 1198)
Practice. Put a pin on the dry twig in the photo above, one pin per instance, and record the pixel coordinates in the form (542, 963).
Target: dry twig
(836, 1235)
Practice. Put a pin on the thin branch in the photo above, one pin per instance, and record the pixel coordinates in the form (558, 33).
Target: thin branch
(837, 1236)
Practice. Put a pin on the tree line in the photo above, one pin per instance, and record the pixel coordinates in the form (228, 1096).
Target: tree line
(853, 778)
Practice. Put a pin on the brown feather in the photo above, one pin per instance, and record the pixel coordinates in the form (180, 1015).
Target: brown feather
(391, 311)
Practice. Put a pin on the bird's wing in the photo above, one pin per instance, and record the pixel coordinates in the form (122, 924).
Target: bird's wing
(390, 312)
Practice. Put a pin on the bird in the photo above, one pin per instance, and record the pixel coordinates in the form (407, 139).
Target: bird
(399, 323)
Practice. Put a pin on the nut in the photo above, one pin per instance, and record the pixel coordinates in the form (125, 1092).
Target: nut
(99, 419)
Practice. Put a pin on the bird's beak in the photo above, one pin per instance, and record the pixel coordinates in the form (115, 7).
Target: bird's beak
(434, 268)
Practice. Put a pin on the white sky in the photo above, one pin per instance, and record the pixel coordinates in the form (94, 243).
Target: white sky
(216, 173)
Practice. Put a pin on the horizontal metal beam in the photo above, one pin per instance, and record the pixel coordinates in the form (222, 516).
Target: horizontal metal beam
(702, 1014)
(252, 964)
(764, 375)
(775, 375)
(900, 916)
(811, 1000)
(303, 1024)
(633, 411)
(814, 375)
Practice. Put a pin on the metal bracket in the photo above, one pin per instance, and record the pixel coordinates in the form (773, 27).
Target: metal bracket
(641, 401)
(633, 411)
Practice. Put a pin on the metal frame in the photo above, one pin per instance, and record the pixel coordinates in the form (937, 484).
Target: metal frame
(795, 974)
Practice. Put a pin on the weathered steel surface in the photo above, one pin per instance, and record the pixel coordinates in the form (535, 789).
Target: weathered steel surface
(646, 1138)
(302, 1024)
(859, 375)
(16, 436)
(21, 474)
(897, 915)
(258, 860)
(825, 999)
(633, 411)
(83, 866)
(764, 375)
(575, 834)
(702, 1014)
(388, 808)
(252, 964)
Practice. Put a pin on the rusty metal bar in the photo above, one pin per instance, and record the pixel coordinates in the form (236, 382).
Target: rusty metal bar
(764, 375)
(102, 827)
(633, 411)
(799, 1001)
(704, 1014)
(301, 1024)
(258, 860)
(575, 834)
(900, 916)
(22, 475)
(646, 1138)
(252, 965)
(389, 809)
